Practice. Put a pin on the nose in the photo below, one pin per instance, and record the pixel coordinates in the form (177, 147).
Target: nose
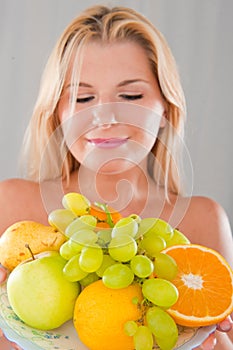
(103, 115)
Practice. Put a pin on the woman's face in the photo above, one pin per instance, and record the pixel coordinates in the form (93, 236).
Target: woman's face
(111, 73)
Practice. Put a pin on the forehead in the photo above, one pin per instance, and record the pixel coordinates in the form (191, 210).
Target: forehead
(126, 53)
(121, 49)
(117, 59)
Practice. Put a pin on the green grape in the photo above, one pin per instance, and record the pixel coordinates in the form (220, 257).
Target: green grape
(67, 251)
(135, 301)
(72, 270)
(141, 266)
(165, 266)
(152, 244)
(136, 217)
(160, 292)
(85, 237)
(61, 218)
(90, 278)
(130, 328)
(127, 226)
(118, 276)
(80, 223)
(77, 203)
(157, 226)
(122, 248)
(75, 246)
(163, 327)
(107, 261)
(178, 238)
(143, 338)
(91, 258)
(104, 237)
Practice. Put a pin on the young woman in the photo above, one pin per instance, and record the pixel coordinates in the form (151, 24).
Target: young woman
(108, 123)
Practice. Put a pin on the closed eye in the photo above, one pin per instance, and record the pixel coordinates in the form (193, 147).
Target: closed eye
(131, 97)
(84, 99)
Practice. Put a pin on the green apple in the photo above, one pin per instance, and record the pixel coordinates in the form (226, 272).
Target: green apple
(39, 293)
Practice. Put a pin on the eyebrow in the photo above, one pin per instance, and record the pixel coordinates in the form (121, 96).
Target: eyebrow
(122, 83)
(81, 84)
(85, 85)
(131, 81)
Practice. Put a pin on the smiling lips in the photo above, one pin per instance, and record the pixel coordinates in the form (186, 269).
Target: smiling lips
(112, 142)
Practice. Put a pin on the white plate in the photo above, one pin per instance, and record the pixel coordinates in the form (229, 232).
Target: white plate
(66, 338)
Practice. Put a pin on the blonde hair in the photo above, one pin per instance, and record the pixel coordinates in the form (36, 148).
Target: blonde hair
(107, 25)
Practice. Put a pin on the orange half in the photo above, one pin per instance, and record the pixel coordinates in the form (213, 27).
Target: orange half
(205, 285)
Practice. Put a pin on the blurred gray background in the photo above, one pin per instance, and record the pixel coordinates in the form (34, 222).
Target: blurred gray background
(199, 33)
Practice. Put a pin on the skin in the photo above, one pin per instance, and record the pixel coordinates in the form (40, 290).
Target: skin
(201, 219)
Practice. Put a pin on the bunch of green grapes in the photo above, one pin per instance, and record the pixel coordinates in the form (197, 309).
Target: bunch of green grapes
(129, 252)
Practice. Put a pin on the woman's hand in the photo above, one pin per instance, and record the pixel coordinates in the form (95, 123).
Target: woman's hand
(219, 340)
(5, 344)
(209, 343)
(226, 325)
(3, 274)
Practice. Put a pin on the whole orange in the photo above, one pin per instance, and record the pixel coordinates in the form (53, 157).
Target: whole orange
(100, 314)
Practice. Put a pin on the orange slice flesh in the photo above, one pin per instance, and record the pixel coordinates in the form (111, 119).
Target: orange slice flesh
(205, 285)
(102, 216)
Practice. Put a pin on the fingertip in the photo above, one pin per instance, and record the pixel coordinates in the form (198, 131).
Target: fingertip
(225, 325)
(3, 274)
(210, 342)
(14, 346)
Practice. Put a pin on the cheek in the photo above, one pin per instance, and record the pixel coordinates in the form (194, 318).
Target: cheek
(64, 108)
(155, 102)
(144, 138)
(78, 150)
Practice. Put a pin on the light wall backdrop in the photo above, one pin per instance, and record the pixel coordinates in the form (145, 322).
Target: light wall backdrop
(199, 33)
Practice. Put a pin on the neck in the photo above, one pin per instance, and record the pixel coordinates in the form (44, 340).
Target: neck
(120, 190)
(131, 191)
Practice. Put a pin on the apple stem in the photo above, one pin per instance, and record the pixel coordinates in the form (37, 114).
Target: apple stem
(28, 247)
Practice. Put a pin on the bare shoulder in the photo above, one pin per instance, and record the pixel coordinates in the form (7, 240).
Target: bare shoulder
(19, 200)
(11, 185)
(206, 223)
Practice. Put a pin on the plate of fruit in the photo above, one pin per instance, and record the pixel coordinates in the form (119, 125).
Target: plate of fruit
(93, 279)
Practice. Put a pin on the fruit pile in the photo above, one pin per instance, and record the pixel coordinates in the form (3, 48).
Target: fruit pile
(126, 252)
(129, 280)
